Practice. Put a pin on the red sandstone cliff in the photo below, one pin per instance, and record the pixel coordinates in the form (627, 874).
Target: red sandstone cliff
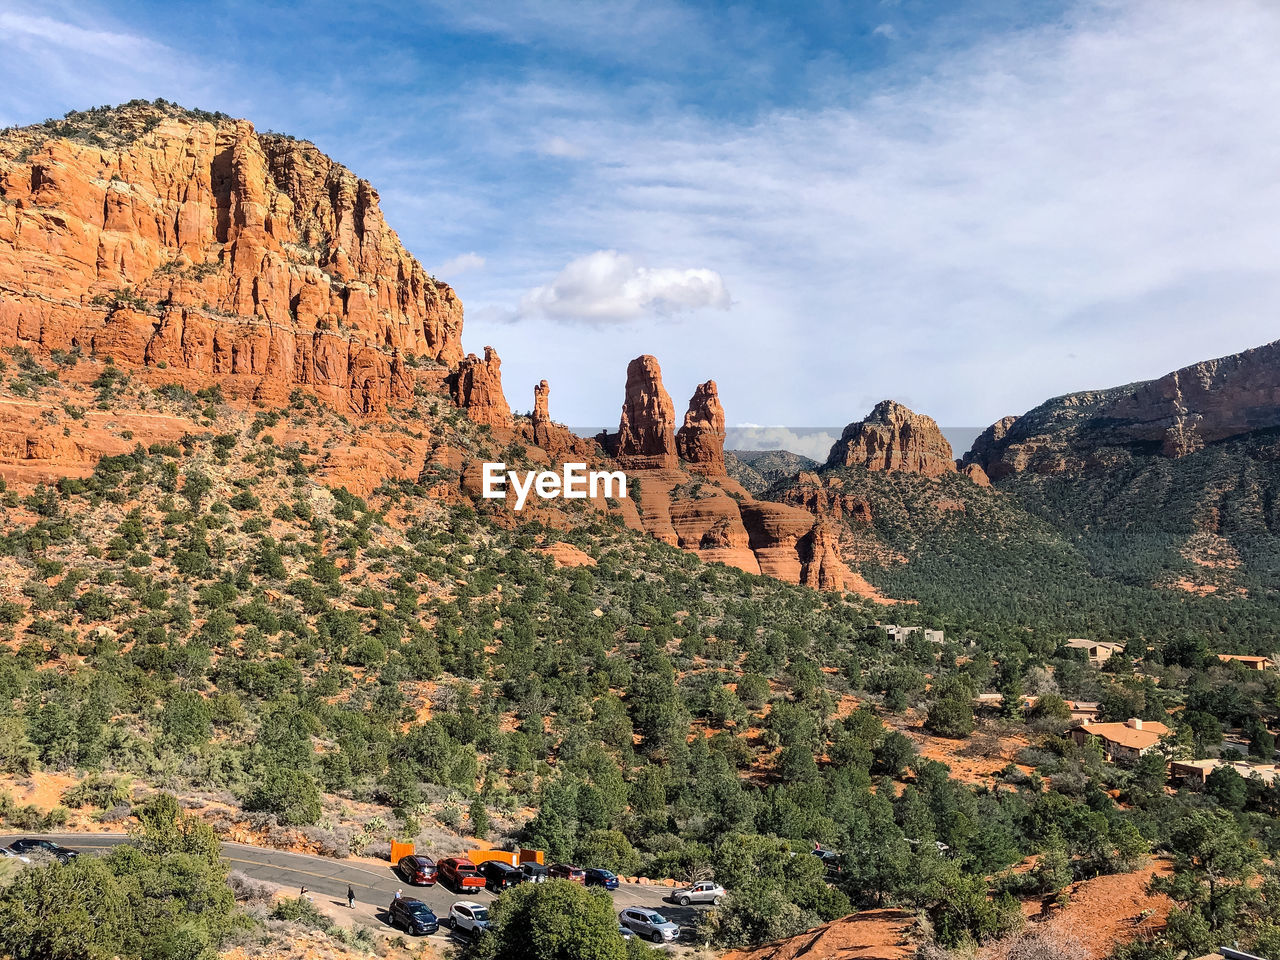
(161, 236)
(894, 438)
(646, 433)
(477, 389)
(700, 441)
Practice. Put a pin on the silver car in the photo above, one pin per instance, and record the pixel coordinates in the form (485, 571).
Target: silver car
(704, 891)
(649, 924)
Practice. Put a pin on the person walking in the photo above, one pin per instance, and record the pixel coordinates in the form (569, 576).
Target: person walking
(397, 894)
(351, 897)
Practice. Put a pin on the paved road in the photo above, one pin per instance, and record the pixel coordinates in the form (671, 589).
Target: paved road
(327, 878)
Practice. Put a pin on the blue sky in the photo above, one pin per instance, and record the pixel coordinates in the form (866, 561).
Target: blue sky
(965, 206)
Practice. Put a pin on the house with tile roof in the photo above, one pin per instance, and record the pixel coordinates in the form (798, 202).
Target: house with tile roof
(1122, 742)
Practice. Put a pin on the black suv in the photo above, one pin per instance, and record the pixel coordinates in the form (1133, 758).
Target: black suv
(412, 916)
(498, 876)
(30, 845)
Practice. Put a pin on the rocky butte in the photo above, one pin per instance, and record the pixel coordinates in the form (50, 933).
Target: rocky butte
(894, 438)
(180, 239)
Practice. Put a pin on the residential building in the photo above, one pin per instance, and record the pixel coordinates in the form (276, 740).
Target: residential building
(1098, 651)
(1197, 771)
(1249, 663)
(1122, 742)
(1083, 711)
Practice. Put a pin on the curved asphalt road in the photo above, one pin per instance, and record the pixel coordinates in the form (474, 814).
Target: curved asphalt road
(328, 878)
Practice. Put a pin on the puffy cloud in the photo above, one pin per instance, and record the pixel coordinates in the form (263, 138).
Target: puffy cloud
(611, 287)
(459, 264)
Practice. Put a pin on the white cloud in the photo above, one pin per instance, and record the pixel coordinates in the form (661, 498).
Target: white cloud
(886, 30)
(610, 287)
(560, 147)
(459, 264)
(814, 444)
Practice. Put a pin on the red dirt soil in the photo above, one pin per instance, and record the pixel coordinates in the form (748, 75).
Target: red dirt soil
(871, 935)
(1105, 912)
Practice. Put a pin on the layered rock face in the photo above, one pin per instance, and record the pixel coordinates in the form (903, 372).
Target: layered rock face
(1172, 416)
(646, 437)
(894, 438)
(162, 236)
(477, 389)
(700, 442)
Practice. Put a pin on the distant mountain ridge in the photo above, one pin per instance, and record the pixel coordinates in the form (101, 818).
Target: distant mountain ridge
(1171, 416)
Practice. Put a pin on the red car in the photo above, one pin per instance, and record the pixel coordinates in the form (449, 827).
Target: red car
(418, 870)
(460, 874)
(562, 871)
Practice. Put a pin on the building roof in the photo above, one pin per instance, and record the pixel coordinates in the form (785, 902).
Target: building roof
(1269, 772)
(1124, 735)
(1242, 658)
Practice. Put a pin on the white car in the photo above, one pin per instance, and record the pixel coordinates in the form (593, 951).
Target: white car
(469, 917)
(704, 891)
(6, 852)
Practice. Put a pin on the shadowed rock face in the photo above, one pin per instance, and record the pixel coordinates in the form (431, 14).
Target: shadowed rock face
(646, 433)
(700, 441)
(894, 438)
(477, 389)
(1172, 416)
(248, 259)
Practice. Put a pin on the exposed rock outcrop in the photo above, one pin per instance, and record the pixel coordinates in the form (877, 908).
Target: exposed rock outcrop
(646, 437)
(477, 389)
(162, 236)
(894, 438)
(825, 496)
(1172, 416)
(557, 441)
(700, 442)
(976, 474)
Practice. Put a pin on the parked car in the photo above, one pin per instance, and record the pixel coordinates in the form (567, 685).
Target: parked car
(6, 852)
(412, 916)
(601, 878)
(704, 891)
(460, 874)
(29, 845)
(418, 870)
(533, 872)
(562, 871)
(649, 924)
(469, 917)
(498, 876)
(625, 932)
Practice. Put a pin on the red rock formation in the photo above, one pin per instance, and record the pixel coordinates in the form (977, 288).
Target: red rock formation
(700, 441)
(557, 441)
(249, 259)
(976, 474)
(825, 497)
(477, 389)
(894, 438)
(540, 419)
(646, 433)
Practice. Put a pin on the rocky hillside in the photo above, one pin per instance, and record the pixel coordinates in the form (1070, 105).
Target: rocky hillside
(757, 470)
(1176, 415)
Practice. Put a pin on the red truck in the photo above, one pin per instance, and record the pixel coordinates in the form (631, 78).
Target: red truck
(460, 874)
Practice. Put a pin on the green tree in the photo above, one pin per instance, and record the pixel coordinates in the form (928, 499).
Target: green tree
(557, 920)
(290, 794)
(1214, 866)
